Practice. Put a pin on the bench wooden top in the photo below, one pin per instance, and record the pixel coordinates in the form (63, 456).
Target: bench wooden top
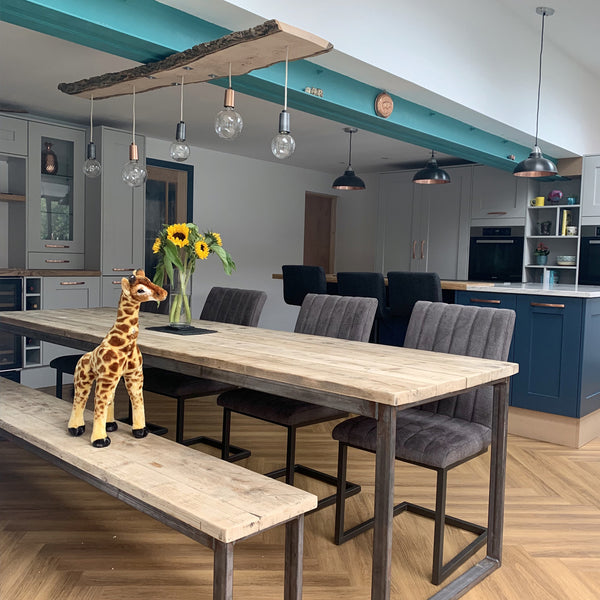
(220, 499)
(304, 363)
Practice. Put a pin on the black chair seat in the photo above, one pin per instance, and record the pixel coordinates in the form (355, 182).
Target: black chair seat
(66, 363)
(179, 385)
(422, 437)
(283, 411)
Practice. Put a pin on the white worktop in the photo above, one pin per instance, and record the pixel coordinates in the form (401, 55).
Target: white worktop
(573, 291)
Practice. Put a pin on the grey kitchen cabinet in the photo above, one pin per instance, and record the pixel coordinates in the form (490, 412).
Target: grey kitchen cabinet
(115, 211)
(13, 136)
(55, 197)
(590, 191)
(425, 227)
(60, 292)
(499, 197)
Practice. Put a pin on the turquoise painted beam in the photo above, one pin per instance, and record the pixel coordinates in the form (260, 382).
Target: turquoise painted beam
(145, 31)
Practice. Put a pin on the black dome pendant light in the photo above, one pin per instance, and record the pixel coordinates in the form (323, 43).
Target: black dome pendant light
(431, 173)
(536, 165)
(349, 180)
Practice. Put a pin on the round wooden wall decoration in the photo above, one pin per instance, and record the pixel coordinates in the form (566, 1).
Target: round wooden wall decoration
(384, 105)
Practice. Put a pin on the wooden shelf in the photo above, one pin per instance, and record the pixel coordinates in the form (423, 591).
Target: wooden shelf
(12, 198)
(245, 51)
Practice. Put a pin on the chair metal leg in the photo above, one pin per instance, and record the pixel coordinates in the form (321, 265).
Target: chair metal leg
(290, 458)
(180, 418)
(59, 383)
(438, 534)
(226, 434)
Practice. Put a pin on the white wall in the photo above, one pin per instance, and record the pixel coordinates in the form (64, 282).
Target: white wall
(258, 207)
(474, 60)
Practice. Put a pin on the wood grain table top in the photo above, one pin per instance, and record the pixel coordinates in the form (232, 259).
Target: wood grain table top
(223, 500)
(373, 373)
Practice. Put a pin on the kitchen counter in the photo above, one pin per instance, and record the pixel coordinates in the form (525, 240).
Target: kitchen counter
(538, 289)
(446, 283)
(48, 273)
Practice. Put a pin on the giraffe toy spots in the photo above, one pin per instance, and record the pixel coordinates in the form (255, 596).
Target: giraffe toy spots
(117, 356)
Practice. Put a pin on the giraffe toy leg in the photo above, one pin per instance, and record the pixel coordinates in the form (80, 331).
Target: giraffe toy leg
(111, 424)
(105, 392)
(134, 382)
(84, 378)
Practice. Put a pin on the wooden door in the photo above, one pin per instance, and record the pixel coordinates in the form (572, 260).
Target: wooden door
(319, 231)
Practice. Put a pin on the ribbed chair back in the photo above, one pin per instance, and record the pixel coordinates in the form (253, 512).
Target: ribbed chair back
(233, 305)
(344, 317)
(299, 280)
(405, 289)
(467, 331)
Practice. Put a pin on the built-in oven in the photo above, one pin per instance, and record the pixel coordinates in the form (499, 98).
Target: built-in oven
(589, 256)
(11, 347)
(496, 254)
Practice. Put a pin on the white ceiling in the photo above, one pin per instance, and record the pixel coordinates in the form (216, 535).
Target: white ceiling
(36, 63)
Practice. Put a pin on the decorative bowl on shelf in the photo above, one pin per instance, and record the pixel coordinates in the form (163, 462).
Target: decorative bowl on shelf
(566, 260)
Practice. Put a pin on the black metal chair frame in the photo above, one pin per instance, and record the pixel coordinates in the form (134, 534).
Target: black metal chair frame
(291, 467)
(440, 570)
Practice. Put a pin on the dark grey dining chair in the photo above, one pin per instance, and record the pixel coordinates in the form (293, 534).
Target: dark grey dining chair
(299, 280)
(439, 435)
(323, 315)
(223, 305)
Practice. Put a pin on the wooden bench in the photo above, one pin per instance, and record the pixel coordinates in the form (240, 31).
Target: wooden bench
(213, 502)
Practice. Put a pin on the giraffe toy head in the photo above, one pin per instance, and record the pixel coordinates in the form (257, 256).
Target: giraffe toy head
(140, 289)
(117, 356)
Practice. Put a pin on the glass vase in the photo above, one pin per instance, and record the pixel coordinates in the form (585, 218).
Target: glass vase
(180, 314)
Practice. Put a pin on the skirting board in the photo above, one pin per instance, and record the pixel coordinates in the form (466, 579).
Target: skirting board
(546, 427)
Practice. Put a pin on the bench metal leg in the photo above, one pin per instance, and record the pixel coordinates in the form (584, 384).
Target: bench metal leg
(294, 547)
(223, 571)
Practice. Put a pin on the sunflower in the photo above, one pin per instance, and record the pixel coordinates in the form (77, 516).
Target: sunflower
(156, 246)
(217, 238)
(201, 248)
(179, 234)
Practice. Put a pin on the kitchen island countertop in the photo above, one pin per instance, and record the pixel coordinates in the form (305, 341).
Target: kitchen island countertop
(538, 289)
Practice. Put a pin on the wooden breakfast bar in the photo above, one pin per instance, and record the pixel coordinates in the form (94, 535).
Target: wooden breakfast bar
(367, 379)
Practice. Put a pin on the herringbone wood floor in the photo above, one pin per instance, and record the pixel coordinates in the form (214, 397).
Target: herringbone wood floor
(61, 539)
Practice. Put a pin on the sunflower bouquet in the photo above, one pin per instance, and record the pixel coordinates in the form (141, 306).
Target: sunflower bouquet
(179, 246)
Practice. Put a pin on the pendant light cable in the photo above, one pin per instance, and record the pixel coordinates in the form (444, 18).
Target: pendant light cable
(91, 118)
(229, 74)
(539, 90)
(133, 115)
(287, 48)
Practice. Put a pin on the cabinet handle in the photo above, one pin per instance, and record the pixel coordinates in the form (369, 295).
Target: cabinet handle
(72, 283)
(119, 269)
(56, 246)
(545, 305)
(414, 248)
(116, 281)
(485, 301)
(422, 245)
(499, 212)
(56, 260)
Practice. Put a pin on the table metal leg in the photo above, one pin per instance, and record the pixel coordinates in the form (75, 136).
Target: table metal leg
(294, 547)
(223, 571)
(384, 503)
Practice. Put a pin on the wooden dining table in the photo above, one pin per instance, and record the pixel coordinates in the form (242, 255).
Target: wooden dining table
(367, 379)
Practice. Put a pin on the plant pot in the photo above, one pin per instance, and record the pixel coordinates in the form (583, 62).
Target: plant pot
(541, 259)
(180, 314)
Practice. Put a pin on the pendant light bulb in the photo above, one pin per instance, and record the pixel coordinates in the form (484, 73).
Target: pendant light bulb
(133, 172)
(535, 165)
(283, 144)
(91, 167)
(229, 122)
(179, 150)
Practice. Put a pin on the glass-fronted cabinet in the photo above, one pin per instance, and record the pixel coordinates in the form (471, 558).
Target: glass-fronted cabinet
(56, 196)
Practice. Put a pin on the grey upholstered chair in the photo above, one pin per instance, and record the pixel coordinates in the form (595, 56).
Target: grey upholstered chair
(223, 305)
(325, 315)
(442, 434)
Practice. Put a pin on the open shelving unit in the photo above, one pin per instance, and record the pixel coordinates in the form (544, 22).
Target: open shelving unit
(32, 348)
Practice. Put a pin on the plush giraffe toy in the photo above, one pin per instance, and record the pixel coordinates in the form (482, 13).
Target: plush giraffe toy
(117, 356)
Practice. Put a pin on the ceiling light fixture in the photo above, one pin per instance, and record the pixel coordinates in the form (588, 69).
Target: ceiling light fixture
(283, 144)
(349, 180)
(536, 165)
(91, 167)
(179, 150)
(229, 123)
(431, 173)
(133, 173)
